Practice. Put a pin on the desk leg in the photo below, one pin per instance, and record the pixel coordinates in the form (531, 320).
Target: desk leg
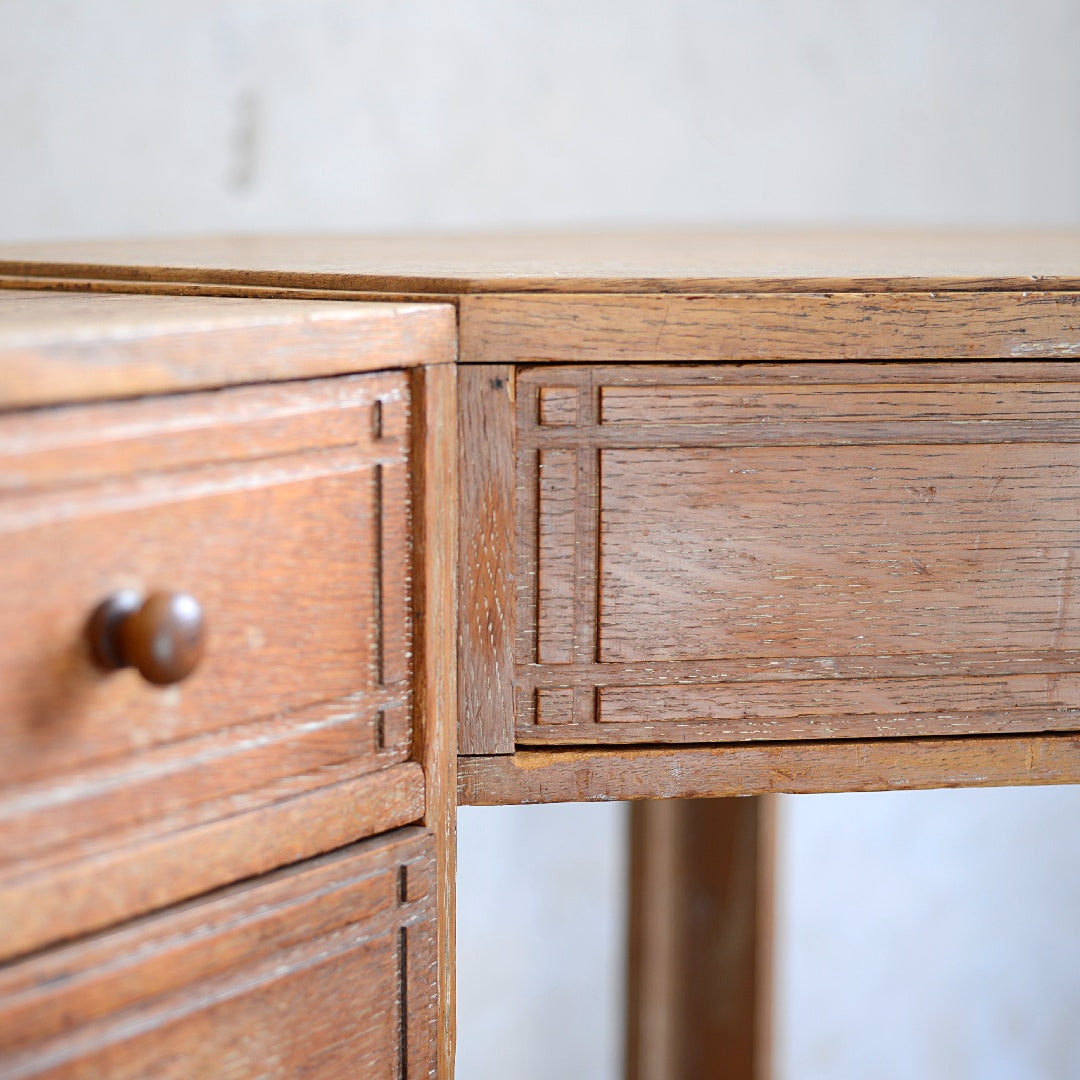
(700, 932)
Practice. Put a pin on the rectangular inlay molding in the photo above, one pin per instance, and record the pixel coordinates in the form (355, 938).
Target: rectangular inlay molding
(796, 551)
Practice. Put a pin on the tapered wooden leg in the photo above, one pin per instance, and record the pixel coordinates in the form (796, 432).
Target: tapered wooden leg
(700, 933)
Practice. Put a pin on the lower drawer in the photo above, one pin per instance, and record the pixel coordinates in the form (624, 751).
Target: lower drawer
(326, 969)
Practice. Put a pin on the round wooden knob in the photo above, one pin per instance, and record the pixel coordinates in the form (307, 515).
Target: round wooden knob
(161, 635)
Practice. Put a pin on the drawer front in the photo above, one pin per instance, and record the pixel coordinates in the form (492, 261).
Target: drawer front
(323, 970)
(284, 512)
(796, 551)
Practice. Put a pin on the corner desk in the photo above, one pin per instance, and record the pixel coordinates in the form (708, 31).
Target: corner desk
(306, 541)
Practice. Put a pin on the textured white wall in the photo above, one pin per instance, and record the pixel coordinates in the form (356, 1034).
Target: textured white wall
(541, 939)
(121, 116)
(926, 935)
(921, 935)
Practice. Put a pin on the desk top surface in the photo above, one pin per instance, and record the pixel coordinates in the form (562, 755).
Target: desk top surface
(688, 261)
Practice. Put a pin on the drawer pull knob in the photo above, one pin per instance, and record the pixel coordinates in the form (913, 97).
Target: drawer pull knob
(160, 635)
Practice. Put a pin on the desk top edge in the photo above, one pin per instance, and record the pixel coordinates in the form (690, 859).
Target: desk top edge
(687, 261)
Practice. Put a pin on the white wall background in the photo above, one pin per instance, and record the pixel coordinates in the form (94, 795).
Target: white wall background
(921, 936)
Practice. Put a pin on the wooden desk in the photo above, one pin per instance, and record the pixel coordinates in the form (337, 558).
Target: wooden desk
(247, 870)
(739, 514)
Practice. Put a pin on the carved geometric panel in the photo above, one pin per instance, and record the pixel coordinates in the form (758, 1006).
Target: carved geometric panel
(797, 551)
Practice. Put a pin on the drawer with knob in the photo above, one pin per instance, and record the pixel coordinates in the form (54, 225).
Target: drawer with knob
(207, 628)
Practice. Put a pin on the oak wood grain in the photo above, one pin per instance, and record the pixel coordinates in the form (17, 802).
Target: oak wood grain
(591, 774)
(831, 325)
(709, 553)
(72, 446)
(592, 465)
(486, 560)
(62, 347)
(623, 261)
(876, 399)
(556, 561)
(435, 537)
(295, 509)
(797, 709)
(170, 787)
(320, 970)
(781, 551)
(278, 549)
(284, 511)
(133, 874)
(279, 552)
(119, 286)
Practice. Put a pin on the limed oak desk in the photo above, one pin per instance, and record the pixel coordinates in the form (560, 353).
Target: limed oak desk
(712, 514)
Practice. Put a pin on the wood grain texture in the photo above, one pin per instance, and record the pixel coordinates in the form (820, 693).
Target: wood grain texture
(393, 573)
(558, 406)
(603, 774)
(555, 706)
(42, 902)
(710, 553)
(487, 542)
(61, 347)
(285, 513)
(435, 537)
(712, 329)
(832, 708)
(700, 934)
(320, 970)
(169, 788)
(279, 550)
(799, 551)
(875, 400)
(74, 446)
(119, 286)
(556, 563)
(697, 260)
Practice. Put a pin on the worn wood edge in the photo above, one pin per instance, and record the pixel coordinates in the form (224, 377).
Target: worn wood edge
(26, 985)
(30, 282)
(671, 256)
(933, 375)
(88, 455)
(169, 344)
(99, 892)
(426, 285)
(689, 772)
(434, 450)
(151, 277)
(827, 324)
(486, 559)
(226, 778)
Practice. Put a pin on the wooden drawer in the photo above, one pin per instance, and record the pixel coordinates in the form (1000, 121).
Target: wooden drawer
(326, 969)
(790, 552)
(284, 511)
